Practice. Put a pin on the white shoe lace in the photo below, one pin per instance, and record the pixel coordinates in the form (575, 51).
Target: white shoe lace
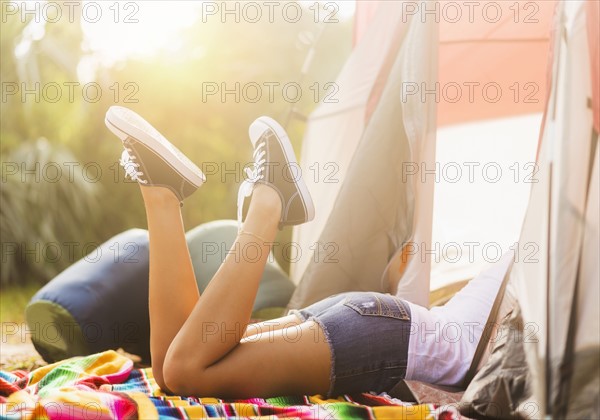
(252, 177)
(131, 167)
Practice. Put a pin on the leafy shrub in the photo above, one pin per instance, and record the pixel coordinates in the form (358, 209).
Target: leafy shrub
(48, 212)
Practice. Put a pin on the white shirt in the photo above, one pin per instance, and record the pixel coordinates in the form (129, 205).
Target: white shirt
(443, 339)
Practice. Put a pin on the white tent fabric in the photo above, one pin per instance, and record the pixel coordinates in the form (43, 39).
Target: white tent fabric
(557, 218)
(588, 307)
(335, 128)
(468, 50)
(419, 59)
(367, 224)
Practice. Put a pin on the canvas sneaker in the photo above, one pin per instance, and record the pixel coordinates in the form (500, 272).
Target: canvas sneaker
(275, 165)
(149, 158)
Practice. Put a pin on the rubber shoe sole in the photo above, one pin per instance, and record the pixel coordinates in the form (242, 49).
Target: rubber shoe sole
(125, 123)
(255, 131)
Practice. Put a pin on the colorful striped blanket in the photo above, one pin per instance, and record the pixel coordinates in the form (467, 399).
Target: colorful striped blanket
(106, 386)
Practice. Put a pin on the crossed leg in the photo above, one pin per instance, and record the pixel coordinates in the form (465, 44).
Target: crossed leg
(204, 345)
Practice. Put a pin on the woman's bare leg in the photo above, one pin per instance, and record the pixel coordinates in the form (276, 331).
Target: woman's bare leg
(203, 345)
(173, 291)
(206, 357)
(220, 318)
(174, 297)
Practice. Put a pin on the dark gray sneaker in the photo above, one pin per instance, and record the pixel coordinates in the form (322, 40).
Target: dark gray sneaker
(149, 158)
(275, 165)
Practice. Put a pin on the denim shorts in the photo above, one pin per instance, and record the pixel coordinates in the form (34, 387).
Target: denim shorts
(368, 337)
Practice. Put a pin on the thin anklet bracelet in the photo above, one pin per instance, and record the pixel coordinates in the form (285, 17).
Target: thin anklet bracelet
(243, 232)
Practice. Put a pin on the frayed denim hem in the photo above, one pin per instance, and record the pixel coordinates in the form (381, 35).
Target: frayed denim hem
(304, 318)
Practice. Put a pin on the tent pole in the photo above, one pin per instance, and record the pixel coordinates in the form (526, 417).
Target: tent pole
(293, 111)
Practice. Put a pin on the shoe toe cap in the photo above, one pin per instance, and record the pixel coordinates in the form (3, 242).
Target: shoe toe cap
(256, 130)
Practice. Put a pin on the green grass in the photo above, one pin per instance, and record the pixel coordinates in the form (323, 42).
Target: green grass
(13, 301)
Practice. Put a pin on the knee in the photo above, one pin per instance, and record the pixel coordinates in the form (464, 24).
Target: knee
(175, 376)
(181, 377)
(157, 373)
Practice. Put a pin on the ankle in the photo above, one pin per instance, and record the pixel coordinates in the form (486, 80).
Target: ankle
(266, 200)
(159, 196)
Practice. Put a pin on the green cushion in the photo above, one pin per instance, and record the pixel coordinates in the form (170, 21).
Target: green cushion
(54, 332)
